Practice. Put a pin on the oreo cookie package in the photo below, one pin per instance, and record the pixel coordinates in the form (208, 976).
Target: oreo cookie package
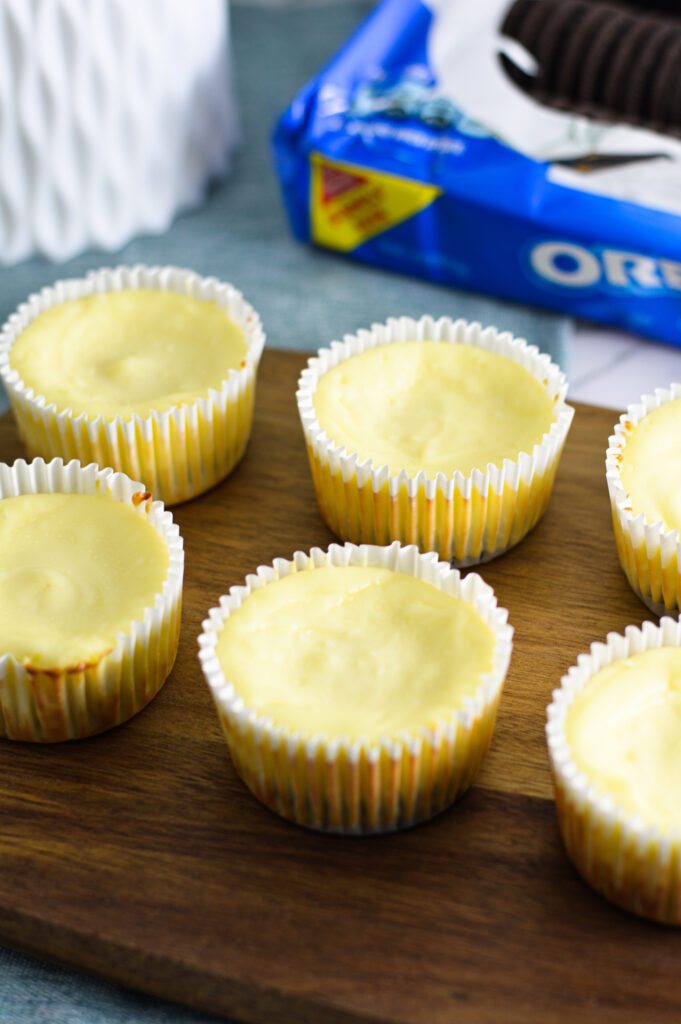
(526, 148)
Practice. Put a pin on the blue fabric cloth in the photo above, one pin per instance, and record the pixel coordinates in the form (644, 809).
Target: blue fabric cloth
(306, 298)
(32, 992)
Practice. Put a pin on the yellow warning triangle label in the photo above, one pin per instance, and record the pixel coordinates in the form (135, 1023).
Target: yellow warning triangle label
(349, 204)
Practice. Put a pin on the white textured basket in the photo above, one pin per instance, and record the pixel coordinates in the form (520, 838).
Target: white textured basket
(649, 554)
(178, 453)
(330, 783)
(114, 115)
(50, 705)
(465, 519)
(630, 862)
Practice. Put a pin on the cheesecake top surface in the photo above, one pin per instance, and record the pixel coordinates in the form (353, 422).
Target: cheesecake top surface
(354, 652)
(74, 571)
(650, 470)
(121, 353)
(433, 406)
(624, 732)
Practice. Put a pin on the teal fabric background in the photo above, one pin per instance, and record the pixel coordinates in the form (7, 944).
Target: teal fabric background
(305, 297)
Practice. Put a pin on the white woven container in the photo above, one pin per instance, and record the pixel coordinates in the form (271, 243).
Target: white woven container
(114, 115)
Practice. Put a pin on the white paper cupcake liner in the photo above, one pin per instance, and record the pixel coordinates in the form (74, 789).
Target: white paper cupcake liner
(178, 453)
(649, 554)
(465, 519)
(50, 705)
(333, 784)
(634, 865)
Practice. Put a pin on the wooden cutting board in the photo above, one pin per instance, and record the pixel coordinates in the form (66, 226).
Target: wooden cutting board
(140, 855)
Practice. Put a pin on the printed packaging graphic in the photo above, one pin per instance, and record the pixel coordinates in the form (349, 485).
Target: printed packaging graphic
(348, 208)
(526, 148)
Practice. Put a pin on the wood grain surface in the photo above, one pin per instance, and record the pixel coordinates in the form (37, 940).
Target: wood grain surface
(139, 854)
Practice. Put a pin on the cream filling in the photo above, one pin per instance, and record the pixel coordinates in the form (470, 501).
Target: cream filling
(74, 571)
(351, 652)
(128, 352)
(434, 407)
(650, 469)
(624, 732)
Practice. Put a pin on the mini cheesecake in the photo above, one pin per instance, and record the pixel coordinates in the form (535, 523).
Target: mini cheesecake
(624, 731)
(614, 740)
(357, 688)
(128, 352)
(433, 408)
(436, 433)
(643, 473)
(90, 599)
(650, 469)
(151, 371)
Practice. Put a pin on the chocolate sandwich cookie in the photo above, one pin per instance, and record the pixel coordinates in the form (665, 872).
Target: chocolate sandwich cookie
(667, 75)
(515, 18)
(601, 60)
(656, 6)
(533, 22)
(673, 115)
(638, 99)
(557, 26)
(522, 22)
(571, 63)
(621, 64)
(595, 64)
